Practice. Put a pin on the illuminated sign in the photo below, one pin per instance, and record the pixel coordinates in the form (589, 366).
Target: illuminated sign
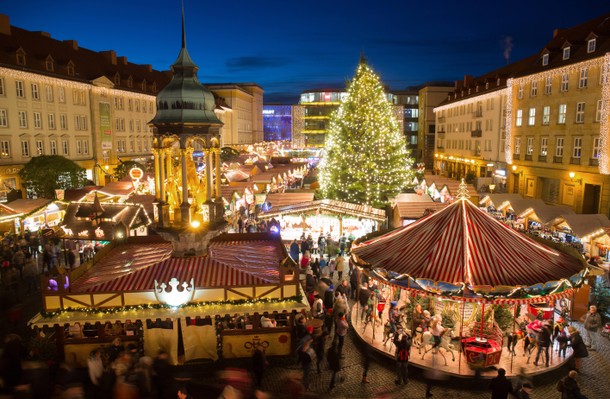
(136, 173)
(174, 297)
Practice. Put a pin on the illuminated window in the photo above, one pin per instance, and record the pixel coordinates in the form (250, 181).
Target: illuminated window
(596, 147)
(5, 149)
(530, 146)
(3, 118)
(544, 146)
(546, 115)
(39, 147)
(548, 85)
(561, 118)
(566, 53)
(591, 45)
(532, 117)
(517, 146)
(519, 118)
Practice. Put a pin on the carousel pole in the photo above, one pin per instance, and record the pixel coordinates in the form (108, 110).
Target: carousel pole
(461, 335)
(514, 318)
(482, 317)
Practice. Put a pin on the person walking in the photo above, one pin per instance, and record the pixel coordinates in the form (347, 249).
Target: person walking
(592, 322)
(294, 251)
(544, 342)
(339, 266)
(570, 388)
(341, 328)
(578, 347)
(403, 350)
(334, 364)
(500, 386)
(259, 364)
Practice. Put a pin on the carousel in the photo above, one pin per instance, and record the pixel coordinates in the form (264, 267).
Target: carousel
(483, 289)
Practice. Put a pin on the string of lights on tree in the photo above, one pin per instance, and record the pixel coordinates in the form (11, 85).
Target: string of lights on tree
(157, 306)
(366, 159)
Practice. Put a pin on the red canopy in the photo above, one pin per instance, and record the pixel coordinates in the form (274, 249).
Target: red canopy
(463, 244)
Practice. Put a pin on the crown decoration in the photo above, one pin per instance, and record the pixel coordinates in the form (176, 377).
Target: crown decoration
(174, 296)
(462, 193)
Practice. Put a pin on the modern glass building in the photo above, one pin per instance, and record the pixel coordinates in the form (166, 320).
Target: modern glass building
(277, 122)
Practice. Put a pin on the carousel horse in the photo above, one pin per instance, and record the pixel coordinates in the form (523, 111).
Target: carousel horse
(428, 340)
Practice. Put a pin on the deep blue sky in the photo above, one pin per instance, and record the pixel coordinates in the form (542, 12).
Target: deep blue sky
(288, 46)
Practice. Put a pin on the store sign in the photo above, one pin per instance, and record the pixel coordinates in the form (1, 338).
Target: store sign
(136, 173)
(173, 296)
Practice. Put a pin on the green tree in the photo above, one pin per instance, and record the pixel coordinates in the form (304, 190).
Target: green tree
(42, 175)
(366, 159)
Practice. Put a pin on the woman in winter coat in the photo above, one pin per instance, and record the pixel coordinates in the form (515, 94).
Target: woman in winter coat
(578, 346)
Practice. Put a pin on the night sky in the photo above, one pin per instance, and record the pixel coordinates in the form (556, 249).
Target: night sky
(289, 46)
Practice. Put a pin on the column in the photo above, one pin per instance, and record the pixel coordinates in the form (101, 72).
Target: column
(217, 156)
(161, 154)
(185, 207)
(157, 174)
(208, 174)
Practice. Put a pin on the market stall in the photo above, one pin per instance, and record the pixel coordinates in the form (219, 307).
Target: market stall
(475, 272)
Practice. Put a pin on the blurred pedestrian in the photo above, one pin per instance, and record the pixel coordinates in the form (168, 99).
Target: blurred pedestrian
(334, 364)
(500, 386)
(259, 364)
(403, 343)
(570, 388)
(578, 347)
(592, 323)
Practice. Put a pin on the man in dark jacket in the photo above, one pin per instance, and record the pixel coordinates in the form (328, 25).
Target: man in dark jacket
(500, 386)
(403, 349)
(544, 341)
(334, 363)
(571, 390)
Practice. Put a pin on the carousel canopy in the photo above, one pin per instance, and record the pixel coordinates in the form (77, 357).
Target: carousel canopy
(463, 244)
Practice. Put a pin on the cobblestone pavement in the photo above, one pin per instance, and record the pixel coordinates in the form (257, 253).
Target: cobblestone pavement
(593, 380)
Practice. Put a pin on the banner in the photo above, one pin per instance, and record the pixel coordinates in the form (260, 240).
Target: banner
(105, 126)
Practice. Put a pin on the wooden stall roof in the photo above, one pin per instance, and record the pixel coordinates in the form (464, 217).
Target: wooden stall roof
(521, 206)
(498, 199)
(585, 225)
(283, 199)
(118, 188)
(546, 214)
(414, 206)
(79, 194)
(25, 206)
(331, 206)
(146, 200)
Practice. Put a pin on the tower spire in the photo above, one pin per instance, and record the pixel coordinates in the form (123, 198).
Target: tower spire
(183, 28)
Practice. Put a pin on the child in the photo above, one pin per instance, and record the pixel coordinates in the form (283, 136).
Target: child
(562, 339)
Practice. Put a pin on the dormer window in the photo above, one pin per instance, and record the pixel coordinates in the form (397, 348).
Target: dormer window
(545, 59)
(117, 79)
(154, 87)
(498, 82)
(49, 64)
(20, 57)
(144, 85)
(71, 68)
(566, 53)
(486, 85)
(591, 45)
(130, 82)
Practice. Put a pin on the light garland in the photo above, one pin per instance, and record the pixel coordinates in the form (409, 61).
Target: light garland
(13, 73)
(198, 305)
(604, 123)
(472, 100)
(508, 146)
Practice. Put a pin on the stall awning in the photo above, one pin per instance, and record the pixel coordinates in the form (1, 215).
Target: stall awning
(330, 206)
(585, 225)
(546, 214)
(278, 200)
(414, 206)
(497, 200)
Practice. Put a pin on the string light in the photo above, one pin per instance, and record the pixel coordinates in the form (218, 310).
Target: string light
(508, 147)
(366, 159)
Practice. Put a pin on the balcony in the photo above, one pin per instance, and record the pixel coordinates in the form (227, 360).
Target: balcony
(557, 159)
(593, 161)
(528, 157)
(541, 158)
(574, 161)
(476, 133)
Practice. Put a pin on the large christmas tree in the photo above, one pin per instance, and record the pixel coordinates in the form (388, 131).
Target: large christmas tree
(365, 159)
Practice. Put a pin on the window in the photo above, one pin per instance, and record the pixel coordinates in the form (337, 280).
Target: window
(117, 79)
(35, 92)
(63, 122)
(566, 53)
(131, 125)
(548, 85)
(118, 103)
(534, 89)
(137, 105)
(130, 82)
(517, 146)
(580, 112)
(3, 118)
(79, 149)
(80, 122)
(598, 111)
(546, 114)
(544, 146)
(25, 148)
(20, 57)
(530, 146)
(130, 105)
(79, 97)
(51, 121)
(144, 85)
(23, 119)
(519, 119)
(49, 91)
(532, 118)
(120, 124)
(596, 147)
(563, 109)
(37, 120)
(71, 68)
(85, 147)
(559, 147)
(5, 149)
(2, 87)
(565, 78)
(487, 145)
(545, 59)
(61, 94)
(591, 45)
(584, 77)
(65, 147)
(121, 145)
(140, 144)
(520, 92)
(138, 126)
(577, 147)
(53, 147)
(50, 64)
(603, 76)
(131, 144)
(19, 89)
(39, 147)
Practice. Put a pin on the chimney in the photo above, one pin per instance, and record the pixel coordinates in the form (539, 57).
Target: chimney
(468, 79)
(44, 34)
(556, 32)
(458, 85)
(5, 25)
(72, 43)
(148, 67)
(110, 55)
(122, 60)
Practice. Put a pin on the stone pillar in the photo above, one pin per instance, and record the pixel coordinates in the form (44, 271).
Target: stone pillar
(157, 175)
(161, 155)
(208, 174)
(217, 168)
(185, 207)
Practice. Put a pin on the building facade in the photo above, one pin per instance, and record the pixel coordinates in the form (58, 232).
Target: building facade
(542, 123)
(57, 98)
(430, 95)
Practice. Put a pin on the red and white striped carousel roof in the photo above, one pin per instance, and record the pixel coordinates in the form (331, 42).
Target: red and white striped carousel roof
(229, 263)
(463, 244)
